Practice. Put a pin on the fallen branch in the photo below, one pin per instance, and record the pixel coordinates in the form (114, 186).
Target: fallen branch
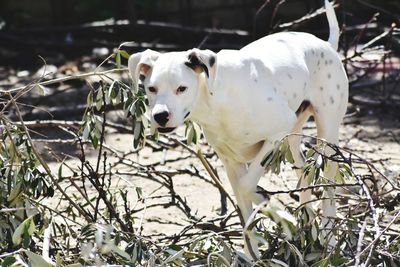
(63, 79)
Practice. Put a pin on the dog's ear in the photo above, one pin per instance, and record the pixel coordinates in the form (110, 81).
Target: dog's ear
(139, 64)
(202, 61)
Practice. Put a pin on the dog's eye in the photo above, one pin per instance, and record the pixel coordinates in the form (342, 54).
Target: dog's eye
(181, 89)
(152, 89)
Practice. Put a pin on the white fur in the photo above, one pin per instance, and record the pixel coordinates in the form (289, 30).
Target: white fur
(249, 101)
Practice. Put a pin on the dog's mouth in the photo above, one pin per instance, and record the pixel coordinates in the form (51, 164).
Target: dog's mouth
(166, 129)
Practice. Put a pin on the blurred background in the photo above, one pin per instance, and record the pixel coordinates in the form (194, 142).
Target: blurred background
(59, 30)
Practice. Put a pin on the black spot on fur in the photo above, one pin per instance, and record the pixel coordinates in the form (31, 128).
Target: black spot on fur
(321, 88)
(294, 95)
(330, 61)
(329, 75)
(338, 86)
(332, 100)
(269, 99)
(322, 55)
(326, 62)
(212, 61)
(290, 76)
(142, 77)
(194, 62)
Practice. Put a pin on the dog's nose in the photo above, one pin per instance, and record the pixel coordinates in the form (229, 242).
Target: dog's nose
(162, 118)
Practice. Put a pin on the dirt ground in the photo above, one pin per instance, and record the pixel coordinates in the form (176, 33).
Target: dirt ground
(373, 134)
(372, 131)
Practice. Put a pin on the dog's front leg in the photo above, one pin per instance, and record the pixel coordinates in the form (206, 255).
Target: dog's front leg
(235, 172)
(244, 184)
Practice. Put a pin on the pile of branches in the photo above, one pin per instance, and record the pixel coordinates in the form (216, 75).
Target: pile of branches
(83, 212)
(94, 221)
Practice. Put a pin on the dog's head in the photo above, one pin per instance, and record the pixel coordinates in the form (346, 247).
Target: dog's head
(172, 82)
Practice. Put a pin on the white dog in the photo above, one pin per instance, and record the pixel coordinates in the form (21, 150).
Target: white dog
(248, 99)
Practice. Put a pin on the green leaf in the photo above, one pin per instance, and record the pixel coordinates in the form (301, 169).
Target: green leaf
(118, 59)
(312, 256)
(338, 260)
(99, 99)
(15, 193)
(111, 91)
(289, 156)
(41, 89)
(127, 103)
(59, 260)
(267, 159)
(118, 98)
(321, 263)
(124, 54)
(132, 109)
(140, 108)
(137, 133)
(310, 153)
(297, 253)
(8, 261)
(27, 227)
(89, 99)
(311, 174)
(279, 263)
(37, 260)
(226, 252)
(86, 132)
(175, 257)
(119, 251)
(314, 232)
(60, 170)
(190, 136)
(137, 130)
(95, 141)
(253, 224)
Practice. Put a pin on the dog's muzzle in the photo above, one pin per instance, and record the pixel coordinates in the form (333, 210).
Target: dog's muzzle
(161, 118)
(166, 129)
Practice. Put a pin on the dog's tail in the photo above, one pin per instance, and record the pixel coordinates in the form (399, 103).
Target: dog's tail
(333, 25)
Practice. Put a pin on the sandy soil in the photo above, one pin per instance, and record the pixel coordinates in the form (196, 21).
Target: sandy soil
(369, 130)
(374, 135)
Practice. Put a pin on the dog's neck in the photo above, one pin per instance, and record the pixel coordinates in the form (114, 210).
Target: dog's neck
(202, 110)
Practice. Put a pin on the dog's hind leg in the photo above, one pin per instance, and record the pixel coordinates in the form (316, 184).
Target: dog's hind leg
(328, 129)
(330, 134)
(329, 102)
(294, 139)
